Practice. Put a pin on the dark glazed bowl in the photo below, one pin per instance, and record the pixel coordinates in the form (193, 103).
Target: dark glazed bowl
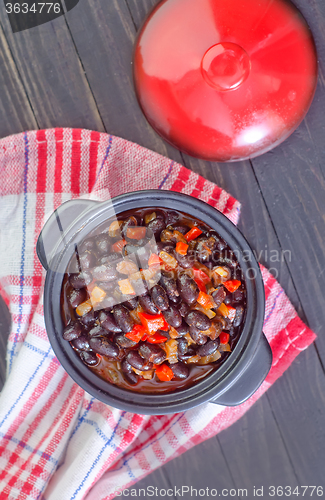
(232, 383)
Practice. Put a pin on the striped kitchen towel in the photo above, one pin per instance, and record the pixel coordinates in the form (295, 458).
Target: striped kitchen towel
(56, 441)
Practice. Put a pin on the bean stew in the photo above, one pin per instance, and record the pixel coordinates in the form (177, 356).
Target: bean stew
(153, 301)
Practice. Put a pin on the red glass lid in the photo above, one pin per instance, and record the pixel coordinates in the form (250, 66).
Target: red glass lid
(225, 80)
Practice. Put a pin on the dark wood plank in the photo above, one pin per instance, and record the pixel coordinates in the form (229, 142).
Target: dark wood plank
(107, 60)
(297, 206)
(52, 75)
(255, 451)
(15, 110)
(299, 408)
(204, 466)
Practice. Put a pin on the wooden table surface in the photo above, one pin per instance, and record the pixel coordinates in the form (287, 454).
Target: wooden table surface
(76, 71)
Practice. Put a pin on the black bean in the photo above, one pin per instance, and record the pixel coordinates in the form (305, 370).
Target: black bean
(81, 280)
(180, 371)
(227, 259)
(107, 286)
(182, 346)
(228, 300)
(159, 297)
(89, 318)
(108, 303)
(219, 295)
(198, 319)
(131, 377)
(152, 352)
(170, 286)
(183, 329)
(238, 296)
(185, 261)
(171, 217)
(135, 360)
(204, 250)
(112, 258)
(189, 353)
(103, 346)
(105, 272)
(209, 348)
(183, 308)
(188, 289)
(147, 304)
(96, 331)
(168, 247)
(173, 317)
(89, 358)
(238, 316)
(108, 322)
(198, 337)
(232, 332)
(76, 297)
(156, 226)
(125, 366)
(131, 304)
(81, 343)
(87, 260)
(72, 331)
(74, 267)
(181, 228)
(123, 341)
(103, 244)
(87, 244)
(123, 318)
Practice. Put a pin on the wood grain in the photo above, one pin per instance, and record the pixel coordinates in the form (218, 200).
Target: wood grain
(76, 71)
(52, 75)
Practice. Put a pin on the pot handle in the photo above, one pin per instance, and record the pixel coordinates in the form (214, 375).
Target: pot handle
(56, 226)
(251, 379)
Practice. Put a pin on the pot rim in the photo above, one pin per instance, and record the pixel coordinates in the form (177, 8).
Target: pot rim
(208, 387)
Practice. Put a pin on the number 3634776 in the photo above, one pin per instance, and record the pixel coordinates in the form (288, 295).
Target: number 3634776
(36, 8)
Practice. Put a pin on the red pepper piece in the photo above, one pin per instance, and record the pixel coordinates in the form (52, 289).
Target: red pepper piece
(232, 285)
(231, 313)
(136, 334)
(164, 373)
(154, 259)
(153, 322)
(118, 245)
(136, 233)
(201, 285)
(224, 338)
(157, 338)
(201, 275)
(181, 248)
(205, 300)
(193, 233)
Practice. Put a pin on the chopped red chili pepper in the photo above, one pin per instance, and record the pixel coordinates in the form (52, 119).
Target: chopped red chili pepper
(232, 285)
(154, 259)
(181, 248)
(193, 233)
(136, 233)
(201, 275)
(164, 373)
(153, 322)
(201, 285)
(137, 333)
(224, 338)
(157, 338)
(117, 247)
